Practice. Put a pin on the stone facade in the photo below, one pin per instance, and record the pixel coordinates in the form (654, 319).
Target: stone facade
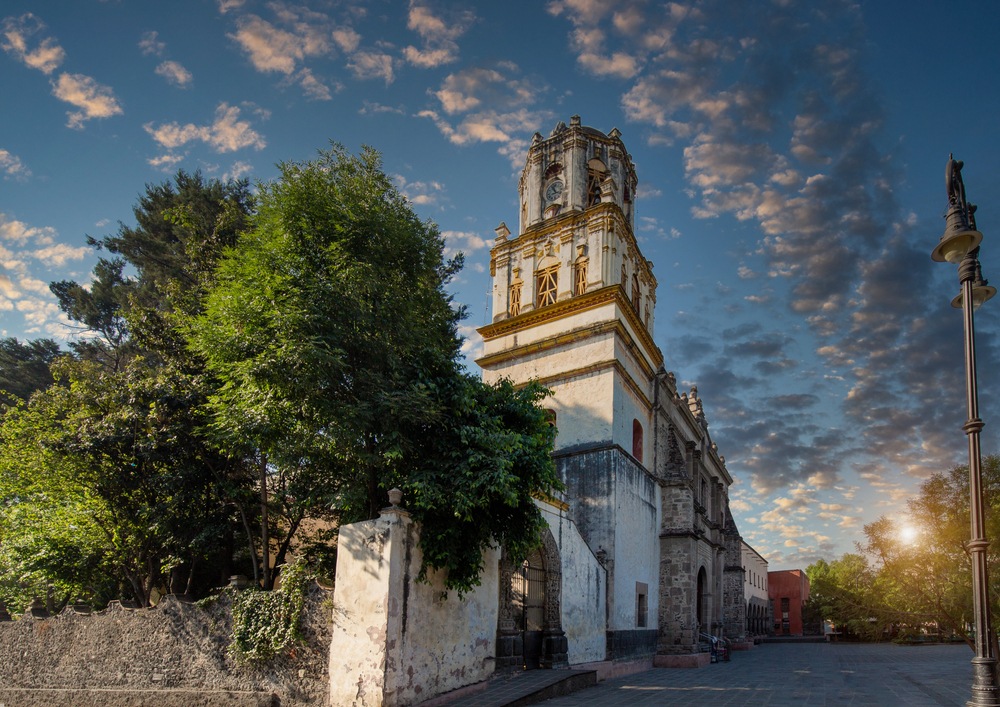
(574, 307)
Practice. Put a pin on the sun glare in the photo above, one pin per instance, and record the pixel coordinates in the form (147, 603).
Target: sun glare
(908, 534)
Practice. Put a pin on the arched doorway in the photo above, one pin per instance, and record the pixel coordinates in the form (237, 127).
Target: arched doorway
(528, 597)
(700, 598)
(529, 625)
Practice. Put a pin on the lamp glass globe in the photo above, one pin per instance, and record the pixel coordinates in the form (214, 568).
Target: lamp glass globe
(956, 249)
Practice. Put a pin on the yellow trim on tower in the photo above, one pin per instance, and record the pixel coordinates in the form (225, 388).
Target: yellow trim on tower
(569, 307)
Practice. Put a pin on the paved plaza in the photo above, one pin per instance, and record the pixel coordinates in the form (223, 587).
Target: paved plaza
(800, 675)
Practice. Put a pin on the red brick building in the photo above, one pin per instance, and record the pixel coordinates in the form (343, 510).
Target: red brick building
(787, 591)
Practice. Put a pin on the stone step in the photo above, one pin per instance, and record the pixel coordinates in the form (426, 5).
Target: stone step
(522, 689)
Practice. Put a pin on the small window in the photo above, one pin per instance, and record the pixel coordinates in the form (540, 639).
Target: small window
(580, 279)
(550, 417)
(637, 440)
(515, 300)
(547, 283)
(647, 313)
(636, 294)
(624, 276)
(784, 605)
(641, 604)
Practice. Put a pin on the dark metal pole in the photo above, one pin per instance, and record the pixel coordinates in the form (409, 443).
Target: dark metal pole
(985, 692)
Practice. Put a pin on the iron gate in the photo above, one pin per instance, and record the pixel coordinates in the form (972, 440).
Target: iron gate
(528, 590)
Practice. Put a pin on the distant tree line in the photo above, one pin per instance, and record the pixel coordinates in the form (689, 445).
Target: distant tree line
(914, 577)
(252, 370)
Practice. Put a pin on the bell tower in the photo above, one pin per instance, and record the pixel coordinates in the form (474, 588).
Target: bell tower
(573, 297)
(645, 488)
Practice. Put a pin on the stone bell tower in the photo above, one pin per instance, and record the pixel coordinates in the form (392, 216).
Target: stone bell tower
(646, 489)
(574, 307)
(573, 296)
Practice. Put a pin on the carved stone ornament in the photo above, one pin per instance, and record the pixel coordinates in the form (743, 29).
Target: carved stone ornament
(553, 582)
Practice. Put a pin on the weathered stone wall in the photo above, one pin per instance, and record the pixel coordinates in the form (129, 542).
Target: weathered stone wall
(172, 655)
(678, 618)
(637, 500)
(395, 641)
(734, 617)
(584, 590)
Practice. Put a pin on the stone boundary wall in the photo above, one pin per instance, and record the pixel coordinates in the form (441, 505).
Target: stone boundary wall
(172, 654)
(397, 641)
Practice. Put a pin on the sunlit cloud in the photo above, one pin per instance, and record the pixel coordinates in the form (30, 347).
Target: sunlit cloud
(226, 134)
(17, 32)
(93, 99)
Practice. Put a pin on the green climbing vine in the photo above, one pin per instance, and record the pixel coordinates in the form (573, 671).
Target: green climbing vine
(265, 622)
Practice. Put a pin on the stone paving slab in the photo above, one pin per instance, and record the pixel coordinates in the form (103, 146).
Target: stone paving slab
(804, 675)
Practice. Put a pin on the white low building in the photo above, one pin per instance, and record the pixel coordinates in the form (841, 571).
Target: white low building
(755, 591)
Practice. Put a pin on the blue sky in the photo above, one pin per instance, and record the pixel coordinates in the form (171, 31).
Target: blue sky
(790, 154)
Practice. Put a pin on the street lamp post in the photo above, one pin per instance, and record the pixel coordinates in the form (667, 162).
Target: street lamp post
(960, 244)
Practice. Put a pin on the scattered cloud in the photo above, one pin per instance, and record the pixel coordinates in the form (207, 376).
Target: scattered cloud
(371, 108)
(20, 233)
(149, 44)
(227, 5)
(438, 35)
(313, 87)
(174, 73)
(46, 56)
(303, 34)
(238, 169)
(93, 99)
(472, 346)
(58, 254)
(272, 49)
(420, 193)
(462, 242)
(372, 64)
(645, 190)
(227, 133)
(165, 162)
(12, 167)
(491, 104)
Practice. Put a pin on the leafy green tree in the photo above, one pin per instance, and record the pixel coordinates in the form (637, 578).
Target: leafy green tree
(50, 531)
(471, 478)
(173, 507)
(909, 580)
(24, 368)
(336, 342)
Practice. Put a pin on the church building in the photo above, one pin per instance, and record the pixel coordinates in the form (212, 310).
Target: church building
(640, 564)
(647, 491)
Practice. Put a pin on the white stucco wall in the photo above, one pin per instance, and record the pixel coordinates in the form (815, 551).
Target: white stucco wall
(637, 545)
(584, 590)
(582, 415)
(755, 575)
(627, 408)
(361, 612)
(397, 642)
